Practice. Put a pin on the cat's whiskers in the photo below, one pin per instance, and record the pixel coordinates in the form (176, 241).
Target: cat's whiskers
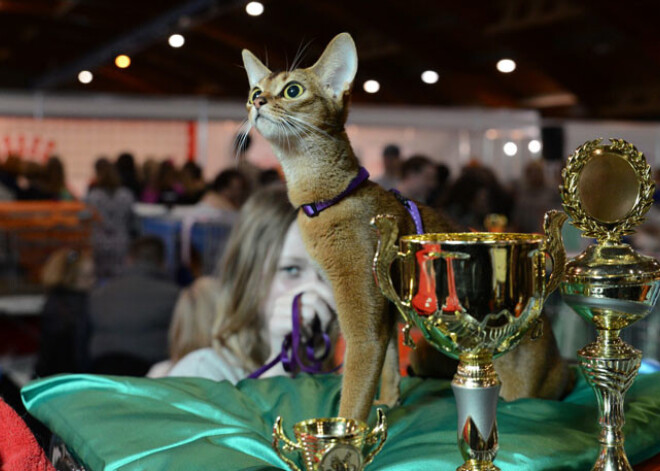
(243, 132)
(298, 133)
(313, 128)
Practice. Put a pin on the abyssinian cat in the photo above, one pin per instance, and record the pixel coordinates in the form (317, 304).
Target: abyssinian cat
(302, 114)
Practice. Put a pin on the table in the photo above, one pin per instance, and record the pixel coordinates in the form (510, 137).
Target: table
(121, 423)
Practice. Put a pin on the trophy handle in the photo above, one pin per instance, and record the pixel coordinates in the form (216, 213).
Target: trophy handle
(554, 247)
(378, 434)
(289, 446)
(386, 252)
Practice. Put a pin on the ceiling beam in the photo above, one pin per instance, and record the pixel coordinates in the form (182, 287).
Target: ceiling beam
(529, 14)
(137, 39)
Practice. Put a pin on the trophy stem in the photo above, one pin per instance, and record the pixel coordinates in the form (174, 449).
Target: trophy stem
(610, 366)
(476, 388)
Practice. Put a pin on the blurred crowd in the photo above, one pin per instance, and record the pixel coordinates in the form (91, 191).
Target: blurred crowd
(117, 310)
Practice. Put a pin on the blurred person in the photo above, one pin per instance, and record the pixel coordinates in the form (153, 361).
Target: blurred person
(228, 191)
(220, 204)
(241, 146)
(193, 183)
(149, 181)
(475, 194)
(54, 180)
(68, 276)
(391, 167)
(9, 172)
(98, 164)
(418, 178)
(111, 231)
(170, 189)
(270, 176)
(31, 182)
(131, 314)
(264, 268)
(534, 197)
(436, 197)
(128, 176)
(192, 323)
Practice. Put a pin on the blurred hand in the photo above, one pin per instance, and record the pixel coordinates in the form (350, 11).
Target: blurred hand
(317, 305)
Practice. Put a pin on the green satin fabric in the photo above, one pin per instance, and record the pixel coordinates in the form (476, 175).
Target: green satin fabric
(120, 423)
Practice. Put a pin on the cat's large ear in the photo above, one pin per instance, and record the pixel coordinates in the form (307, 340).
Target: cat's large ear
(337, 65)
(255, 69)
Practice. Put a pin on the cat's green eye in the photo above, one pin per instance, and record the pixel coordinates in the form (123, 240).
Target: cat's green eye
(254, 94)
(293, 90)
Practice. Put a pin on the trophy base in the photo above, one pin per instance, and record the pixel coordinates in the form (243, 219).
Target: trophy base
(610, 366)
(475, 465)
(612, 459)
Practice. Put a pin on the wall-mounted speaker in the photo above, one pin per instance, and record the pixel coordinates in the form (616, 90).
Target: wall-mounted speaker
(552, 138)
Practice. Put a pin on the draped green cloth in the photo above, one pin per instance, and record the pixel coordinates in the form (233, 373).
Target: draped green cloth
(121, 423)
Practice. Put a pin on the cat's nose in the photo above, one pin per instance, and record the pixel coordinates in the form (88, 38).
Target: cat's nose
(259, 102)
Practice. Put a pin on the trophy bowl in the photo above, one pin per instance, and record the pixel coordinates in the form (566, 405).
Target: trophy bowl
(474, 296)
(331, 443)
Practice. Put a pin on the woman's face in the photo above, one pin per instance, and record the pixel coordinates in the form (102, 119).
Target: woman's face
(295, 270)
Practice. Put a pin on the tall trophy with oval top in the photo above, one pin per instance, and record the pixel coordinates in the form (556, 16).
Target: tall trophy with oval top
(473, 296)
(607, 190)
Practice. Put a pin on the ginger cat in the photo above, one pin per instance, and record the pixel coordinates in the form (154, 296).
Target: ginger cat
(302, 114)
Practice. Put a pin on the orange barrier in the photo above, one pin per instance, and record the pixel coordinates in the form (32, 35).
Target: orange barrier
(30, 231)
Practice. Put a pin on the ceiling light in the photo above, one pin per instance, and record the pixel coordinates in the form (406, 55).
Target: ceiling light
(85, 76)
(506, 66)
(510, 149)
(176, 40)
(254, 8)
(122, 61)
(371, 86)
(430, 77)
(534, 146)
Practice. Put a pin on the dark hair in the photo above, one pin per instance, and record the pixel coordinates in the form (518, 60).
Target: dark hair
(415, 164)
(148, 250)
(192, 169)
(126, 162)
(443, 173)
(127, 172)
(268, 176)
(107, 177)
(54, 174)
(391, 150)
(167, 175)
(224, 179)
(100, 162)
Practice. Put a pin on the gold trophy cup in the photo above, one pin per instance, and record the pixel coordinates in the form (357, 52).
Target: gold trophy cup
(331, 444)
(607, 190)
(473, 296)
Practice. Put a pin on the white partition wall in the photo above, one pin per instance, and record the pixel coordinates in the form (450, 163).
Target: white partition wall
(82, 128)
(645, 136)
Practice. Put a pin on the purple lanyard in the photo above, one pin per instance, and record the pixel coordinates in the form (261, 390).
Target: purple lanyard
(290, 357)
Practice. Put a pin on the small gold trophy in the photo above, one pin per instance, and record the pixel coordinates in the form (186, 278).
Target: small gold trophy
(473, 296)
(607, 190)
(331, 444)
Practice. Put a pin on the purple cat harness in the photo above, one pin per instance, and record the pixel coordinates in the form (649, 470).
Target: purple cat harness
(314, 209)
